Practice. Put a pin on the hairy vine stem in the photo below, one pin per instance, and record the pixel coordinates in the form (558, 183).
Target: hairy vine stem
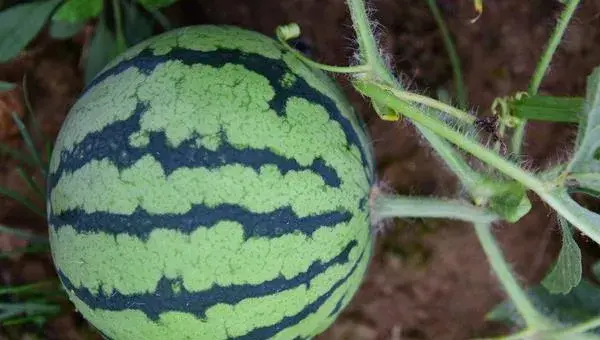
(551, 195)
(369, 52)
(424, 207)
(532, 318)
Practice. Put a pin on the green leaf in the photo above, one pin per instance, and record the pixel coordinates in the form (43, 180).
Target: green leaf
(566, 273)
(587, 157)
(64, 30)
(74, 11)
(548, 108)
(21, 23)
(5, 86)
(156, 4)
(509, 199)
(137, 27)
(579, 305)
(102, 50)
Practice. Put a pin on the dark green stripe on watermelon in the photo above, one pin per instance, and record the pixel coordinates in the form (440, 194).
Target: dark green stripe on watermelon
(273, 69)
(269, 331)
(141, 223)
(166, 299)
(112, 143)
(338, 306)
(197, 303)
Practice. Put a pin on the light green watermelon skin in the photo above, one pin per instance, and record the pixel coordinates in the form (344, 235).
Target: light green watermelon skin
(209, 185)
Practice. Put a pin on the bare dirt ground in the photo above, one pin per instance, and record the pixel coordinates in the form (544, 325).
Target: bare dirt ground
(428, 280)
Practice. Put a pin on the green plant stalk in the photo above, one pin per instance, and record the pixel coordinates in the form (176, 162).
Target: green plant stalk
(324, 67)
(385, 94)
(555, 39)
(583, 327)
(369, 52)
(423, 207)
(461, 91)
(454, 160)
(516, 141)
(532, 318)
(436, 104)
(121, 45)
(542, 67)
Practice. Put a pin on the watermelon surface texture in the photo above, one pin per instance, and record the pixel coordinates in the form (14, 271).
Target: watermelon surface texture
(209, 185)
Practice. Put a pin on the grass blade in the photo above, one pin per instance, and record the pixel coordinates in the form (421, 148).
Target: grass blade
(460, 88)
(27, 308)
(35, 287)
(29, 143)
(26, 235)
(34, 121)
(33, 185)
(21, 199)
(32, 249)
(16, 154)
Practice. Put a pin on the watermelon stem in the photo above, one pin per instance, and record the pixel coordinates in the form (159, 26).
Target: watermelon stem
(291, 31)
(424, 207)
(368, 48)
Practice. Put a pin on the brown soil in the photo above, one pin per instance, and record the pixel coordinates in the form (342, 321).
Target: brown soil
(428, 280)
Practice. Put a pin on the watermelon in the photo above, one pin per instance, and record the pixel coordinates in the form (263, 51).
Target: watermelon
(207, 184)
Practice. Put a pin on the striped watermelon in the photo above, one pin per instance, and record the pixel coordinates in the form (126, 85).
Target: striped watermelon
(209, 185)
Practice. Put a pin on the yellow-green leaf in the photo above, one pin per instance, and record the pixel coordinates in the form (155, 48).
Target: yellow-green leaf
(478, 5)
(75, 11)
